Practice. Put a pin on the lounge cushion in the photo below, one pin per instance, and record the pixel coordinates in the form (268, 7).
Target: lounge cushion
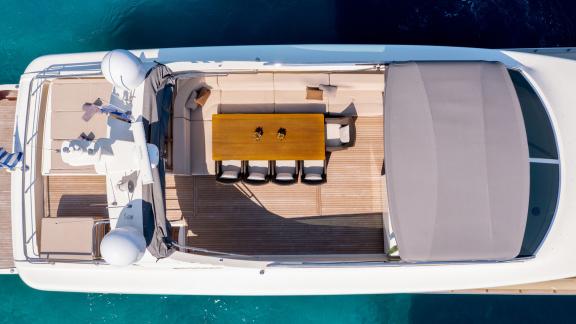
(345, 134)
(357, 94)
(285, 176)
(188, 91)
(247, 93)
(67, 235)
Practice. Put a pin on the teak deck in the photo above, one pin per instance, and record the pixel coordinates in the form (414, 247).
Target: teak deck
(342, 216)
(75, 196)
(233, 137)
(7, 109)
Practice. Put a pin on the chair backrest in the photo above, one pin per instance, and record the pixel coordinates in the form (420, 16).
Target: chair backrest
(229, 171)
(345, 134)
(257, 172)
(285, 171)
(313, 171)
(340, 132)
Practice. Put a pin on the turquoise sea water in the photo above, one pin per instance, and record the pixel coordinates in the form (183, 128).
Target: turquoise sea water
(32, 28)
(20, 304)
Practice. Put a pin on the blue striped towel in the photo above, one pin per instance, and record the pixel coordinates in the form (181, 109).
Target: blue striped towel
(9, 160)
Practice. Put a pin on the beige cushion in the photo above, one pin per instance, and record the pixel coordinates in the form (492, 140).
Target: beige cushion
(235, 164)
(345, 134)
(246, 82)
(247, 93)
(230, 174)
(191, 103)
(181, 146)
(292, 86)
(257, 175)
(68, 125)
(71, 94)
(253, 108)
(337, 134)
(285, 176)
(192, 147)
(257, 170)
(258, 163)
(358, 81)
(358, 94)
(201, 148)
(67, 98)
(290, 91)
(313, 169)
(67, 235)
(358, 103)
(313, 177)
(184, 87)
(231, 169)
(333, 132)
(285, 170)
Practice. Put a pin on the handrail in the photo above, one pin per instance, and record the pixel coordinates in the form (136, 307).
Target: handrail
(95, 246)
(195, 249)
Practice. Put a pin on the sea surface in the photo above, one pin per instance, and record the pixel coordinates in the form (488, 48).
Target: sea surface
(31, 28)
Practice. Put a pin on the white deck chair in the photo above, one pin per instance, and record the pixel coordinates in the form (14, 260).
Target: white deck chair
(257, 172)
(313, 171)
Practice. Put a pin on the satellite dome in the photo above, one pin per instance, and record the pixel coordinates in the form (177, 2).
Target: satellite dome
(123, 69)
(123, 246)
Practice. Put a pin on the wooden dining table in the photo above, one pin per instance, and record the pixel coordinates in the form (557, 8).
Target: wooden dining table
(236, 137)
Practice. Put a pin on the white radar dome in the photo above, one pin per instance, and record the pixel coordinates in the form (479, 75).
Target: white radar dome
(123, 246)
(123, 69)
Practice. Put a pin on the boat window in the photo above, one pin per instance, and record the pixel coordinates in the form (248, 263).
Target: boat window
(544, 165)
(541, 141)
(544, 182)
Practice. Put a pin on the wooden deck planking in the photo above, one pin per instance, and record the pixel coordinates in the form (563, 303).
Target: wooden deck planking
(7, 110)
(76, 196)
(343, 216)
(355, 175)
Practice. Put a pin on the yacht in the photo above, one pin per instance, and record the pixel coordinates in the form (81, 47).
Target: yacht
(290, 170)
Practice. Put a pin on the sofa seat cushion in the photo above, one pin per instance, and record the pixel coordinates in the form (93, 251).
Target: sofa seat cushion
(201, 149)
(358, 94)
(345, 134)
(184, 90)
(67, 235)
(290, 92)
(246, 93)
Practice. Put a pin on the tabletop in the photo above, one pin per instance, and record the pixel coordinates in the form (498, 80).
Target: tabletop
(268, 137)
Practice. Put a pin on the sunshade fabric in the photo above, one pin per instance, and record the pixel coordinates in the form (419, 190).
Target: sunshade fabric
(158, 90)
(456, 161)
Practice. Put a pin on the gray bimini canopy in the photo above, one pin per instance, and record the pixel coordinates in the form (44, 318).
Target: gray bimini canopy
(456, 161)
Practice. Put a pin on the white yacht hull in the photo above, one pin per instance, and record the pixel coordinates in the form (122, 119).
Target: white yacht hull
(552, 78)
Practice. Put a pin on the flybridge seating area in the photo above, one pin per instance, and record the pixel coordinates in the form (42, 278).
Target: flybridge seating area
(347, 93)
(255, 216)
(342, 215)
(72, 218)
